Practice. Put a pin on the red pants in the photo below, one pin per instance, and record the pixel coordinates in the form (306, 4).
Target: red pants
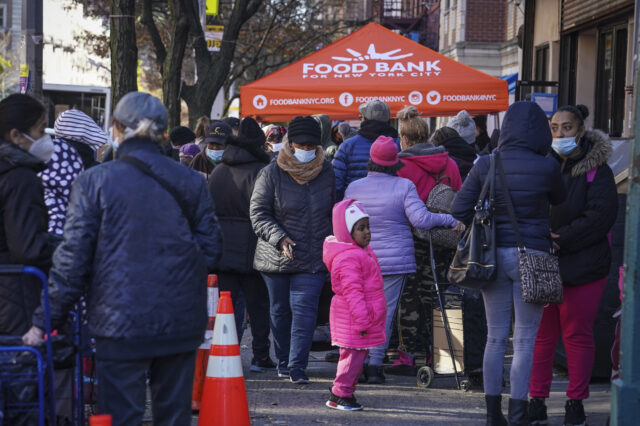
(349, 368)
(574, 318)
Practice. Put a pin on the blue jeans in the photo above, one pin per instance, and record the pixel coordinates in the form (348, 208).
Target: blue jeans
(294, 309)
(393, 285)
(500, 297)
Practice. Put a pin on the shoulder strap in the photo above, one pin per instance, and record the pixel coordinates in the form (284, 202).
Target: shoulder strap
(144, 168)
(507, 197)
(489, 184)
(591, 174)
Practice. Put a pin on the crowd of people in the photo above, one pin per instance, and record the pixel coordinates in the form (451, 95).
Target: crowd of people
(132, 222)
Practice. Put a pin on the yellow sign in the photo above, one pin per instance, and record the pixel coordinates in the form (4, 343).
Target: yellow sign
(24, 70)
(212, 7)
(213, 36)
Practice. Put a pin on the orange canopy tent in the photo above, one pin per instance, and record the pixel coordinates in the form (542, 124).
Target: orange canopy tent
(373, 63)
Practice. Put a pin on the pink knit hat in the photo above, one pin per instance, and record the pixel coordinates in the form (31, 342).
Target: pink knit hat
(384, 151)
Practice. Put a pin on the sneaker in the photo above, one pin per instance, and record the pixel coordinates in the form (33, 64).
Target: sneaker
(345, 404)
(574, 413)
(537, 412)
(298, 376)
(284, 373)
(375, 375)
(261, 364)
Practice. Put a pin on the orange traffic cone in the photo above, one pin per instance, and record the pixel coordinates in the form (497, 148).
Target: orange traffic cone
(202, 359)
(224, 401)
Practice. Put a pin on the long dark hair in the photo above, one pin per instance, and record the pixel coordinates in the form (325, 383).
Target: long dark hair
(20, 112)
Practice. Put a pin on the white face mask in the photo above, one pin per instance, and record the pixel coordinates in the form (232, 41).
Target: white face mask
(304, 156)
(275, 147)
(42, 148)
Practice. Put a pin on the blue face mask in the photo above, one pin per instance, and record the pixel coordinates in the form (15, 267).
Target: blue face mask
(564, 146)
(304, 156)
(215, 154)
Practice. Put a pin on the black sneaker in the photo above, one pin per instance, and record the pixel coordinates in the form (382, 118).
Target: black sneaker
(537, 412)
(298, 376)
(375, 375)
(574, 413)
(260, 364)
(284, 373)
(344, 404)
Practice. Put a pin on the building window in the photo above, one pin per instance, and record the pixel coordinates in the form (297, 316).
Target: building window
(446, 5)
(541, 71)
(610, 81)
(3, 16)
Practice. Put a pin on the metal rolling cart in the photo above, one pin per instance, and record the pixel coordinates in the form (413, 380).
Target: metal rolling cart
(9, 355)
(425, 375)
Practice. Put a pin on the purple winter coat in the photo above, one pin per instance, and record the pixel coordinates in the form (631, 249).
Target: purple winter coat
(394, 206)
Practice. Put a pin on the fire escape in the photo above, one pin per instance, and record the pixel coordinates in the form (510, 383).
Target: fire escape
(414, 19)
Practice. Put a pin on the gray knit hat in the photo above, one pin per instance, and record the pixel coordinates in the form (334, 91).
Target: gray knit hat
(464, 125)
(135, 106)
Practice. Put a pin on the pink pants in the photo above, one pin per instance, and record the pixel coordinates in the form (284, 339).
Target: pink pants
(349, 368)
(574, 318)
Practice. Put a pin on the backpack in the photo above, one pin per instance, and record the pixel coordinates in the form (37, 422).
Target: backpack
(440, 200)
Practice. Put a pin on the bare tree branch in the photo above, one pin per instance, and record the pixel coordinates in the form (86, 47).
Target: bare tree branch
(148, 21)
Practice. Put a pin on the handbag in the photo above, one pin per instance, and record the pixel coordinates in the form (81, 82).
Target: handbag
(474, 264)
(539, 275)
(439, 201)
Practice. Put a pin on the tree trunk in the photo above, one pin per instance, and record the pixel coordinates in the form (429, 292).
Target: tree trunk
(124, 52)
(172, 67)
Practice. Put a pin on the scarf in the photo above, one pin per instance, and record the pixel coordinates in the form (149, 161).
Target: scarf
(300, 172)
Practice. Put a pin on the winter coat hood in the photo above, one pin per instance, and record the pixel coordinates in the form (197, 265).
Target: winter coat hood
(596, 150)
(371, 129)
(240, 150)
(325, 130)
(525, 126)
(12, 156)
(429, 158)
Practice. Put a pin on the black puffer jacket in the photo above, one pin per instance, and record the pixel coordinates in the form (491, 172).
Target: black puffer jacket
(534, 180)
(280, 207)
(23, 235)
(462, 153)
(588, 213)
(231, 185)
(129, 246)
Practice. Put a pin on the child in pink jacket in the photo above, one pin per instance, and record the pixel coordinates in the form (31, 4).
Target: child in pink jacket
(358, 309)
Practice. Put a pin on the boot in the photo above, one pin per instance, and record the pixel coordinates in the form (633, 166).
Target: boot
(518, 412)
(494, 411)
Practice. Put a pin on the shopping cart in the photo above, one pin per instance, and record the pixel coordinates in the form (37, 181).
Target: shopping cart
(9, 374)
(425, 375)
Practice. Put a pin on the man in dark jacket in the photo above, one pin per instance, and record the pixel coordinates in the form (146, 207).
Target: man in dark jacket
(350, 161)
(231, 185)
(142, 254)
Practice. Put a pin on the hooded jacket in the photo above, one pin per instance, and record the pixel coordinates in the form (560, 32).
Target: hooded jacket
(231, 185)
(325, 135)
(128, 245)
(534, 179)
(350, 161)
(462, 153)
(588, 213)
(394, 207)
(426, 165)
(23, 236)
(359, 303)
(280, 207)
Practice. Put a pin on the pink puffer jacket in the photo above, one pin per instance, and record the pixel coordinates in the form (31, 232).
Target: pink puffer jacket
(359, 303)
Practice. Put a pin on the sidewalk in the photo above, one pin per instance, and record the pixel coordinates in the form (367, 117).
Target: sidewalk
(276, 401)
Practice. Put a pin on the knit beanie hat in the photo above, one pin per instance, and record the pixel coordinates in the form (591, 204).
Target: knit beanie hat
(181, 135)
(251, 132)
(384, 151)
(353, 214)
(304, 130)
(464, 125)
(234, 122)
(189, 150)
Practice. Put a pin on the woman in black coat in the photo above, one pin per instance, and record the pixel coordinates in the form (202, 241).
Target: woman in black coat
(24, 149)
(291, 215)
(231, 185)
(580, 228)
